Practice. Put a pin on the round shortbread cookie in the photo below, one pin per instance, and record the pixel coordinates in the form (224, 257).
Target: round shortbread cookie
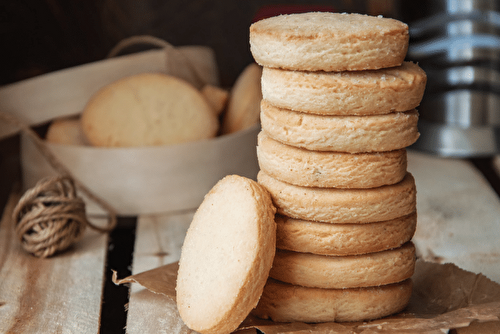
(339, 272)
(283, 302)
(329, 42)
(226, 256)
(243, 108)
(345, 206)
(67, 130)
(308, 168)
(216, 97)
(346, 93)
(343, 239)
(352, 134)
(147, 109)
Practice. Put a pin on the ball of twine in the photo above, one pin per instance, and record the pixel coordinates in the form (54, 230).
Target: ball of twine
(50, 217)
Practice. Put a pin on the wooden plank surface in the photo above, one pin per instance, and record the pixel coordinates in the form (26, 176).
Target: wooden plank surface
(458, 214)
(61, 294)
(158, 242)
(459, 222)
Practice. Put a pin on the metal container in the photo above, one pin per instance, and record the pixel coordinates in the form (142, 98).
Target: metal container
(457, 43)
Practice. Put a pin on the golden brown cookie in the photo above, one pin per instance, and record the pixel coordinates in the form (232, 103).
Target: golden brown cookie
(67, 130)
(353, 134)
(226, 256)
(359, 93)
(216, 97)
(343, 239)
(344, 206)
(339, 272)
(329, 42)
(323, 169)
(283, 302)
(243, 109)
(147, 109)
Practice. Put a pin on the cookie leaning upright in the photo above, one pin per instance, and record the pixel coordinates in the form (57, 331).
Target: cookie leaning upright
(226, 256)
(329, 42)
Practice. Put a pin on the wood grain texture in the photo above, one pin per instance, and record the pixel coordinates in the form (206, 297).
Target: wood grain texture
(61, 294)
(158, 242)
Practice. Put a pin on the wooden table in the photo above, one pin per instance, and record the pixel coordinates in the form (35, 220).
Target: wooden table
(458, 221)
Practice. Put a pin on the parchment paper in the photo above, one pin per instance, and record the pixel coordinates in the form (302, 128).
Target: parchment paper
(444, 297)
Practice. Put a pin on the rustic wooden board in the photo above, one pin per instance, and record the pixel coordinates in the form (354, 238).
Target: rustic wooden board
(158, 241)
(458, 214)
(61, 294)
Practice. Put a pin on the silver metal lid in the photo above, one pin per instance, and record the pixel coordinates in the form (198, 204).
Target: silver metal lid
(455, 141)
(462, 107)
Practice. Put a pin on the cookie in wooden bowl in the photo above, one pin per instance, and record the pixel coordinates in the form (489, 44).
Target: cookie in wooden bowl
(66, 130)
(243, 108)
(145, 110)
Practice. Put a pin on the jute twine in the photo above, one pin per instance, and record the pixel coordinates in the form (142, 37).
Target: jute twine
(50, 217)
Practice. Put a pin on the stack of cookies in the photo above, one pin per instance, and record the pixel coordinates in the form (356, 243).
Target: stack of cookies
(337, 114)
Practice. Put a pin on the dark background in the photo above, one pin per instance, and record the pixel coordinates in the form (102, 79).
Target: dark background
(40, 36)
